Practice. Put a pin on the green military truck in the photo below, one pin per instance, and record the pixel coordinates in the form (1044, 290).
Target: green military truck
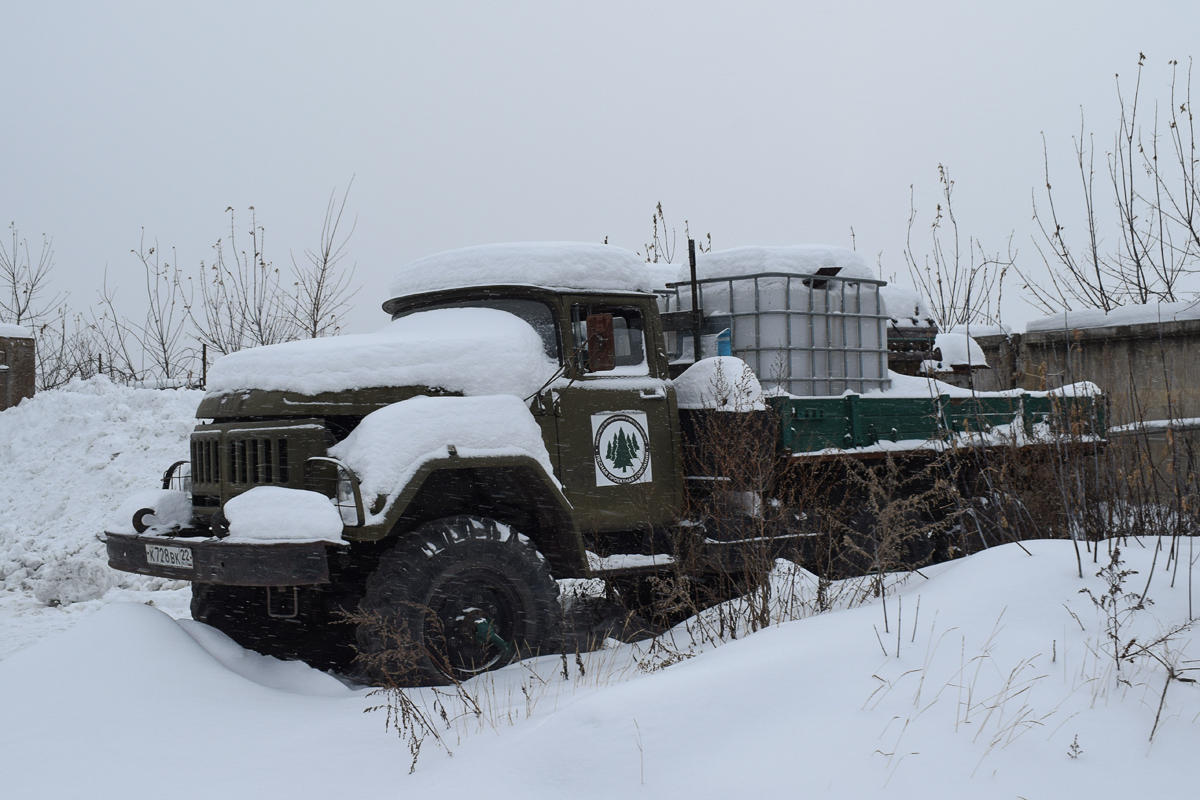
(531, 413)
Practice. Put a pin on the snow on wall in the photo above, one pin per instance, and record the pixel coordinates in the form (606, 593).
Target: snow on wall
(470, 350)
(976, 331)
(9, 331)
(801, 259)
(1125, 315)
(570, 265)
(390, 445)
(68, 458)
(723, 383)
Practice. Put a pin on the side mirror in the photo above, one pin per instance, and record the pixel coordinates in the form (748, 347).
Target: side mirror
(601, 344)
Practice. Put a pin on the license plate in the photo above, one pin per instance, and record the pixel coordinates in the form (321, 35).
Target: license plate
(158, 555)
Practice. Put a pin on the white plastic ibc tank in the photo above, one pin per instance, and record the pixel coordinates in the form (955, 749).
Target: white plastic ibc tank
(806, 336)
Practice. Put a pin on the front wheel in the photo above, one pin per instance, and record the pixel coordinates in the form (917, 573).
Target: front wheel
(455, 598)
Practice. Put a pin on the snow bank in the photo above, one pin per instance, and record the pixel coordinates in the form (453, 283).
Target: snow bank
(279, 514)
(1125, 315)
(390, 445)
(68, 458)
(723, 383)
(800, 259)
(10, 331)
(170, 510)
(980, 693)
(469, 350)
(569, 265)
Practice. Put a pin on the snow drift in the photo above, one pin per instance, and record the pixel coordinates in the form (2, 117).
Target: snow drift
(985, 678)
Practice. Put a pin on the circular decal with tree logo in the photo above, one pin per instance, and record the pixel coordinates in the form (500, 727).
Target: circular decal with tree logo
(622, 448)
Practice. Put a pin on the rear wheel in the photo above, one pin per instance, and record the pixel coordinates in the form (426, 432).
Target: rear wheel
(455, 598)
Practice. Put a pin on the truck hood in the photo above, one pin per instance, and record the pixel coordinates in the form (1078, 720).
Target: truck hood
(467, 351)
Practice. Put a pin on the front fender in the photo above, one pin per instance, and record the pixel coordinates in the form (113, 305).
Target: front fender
(558, 537)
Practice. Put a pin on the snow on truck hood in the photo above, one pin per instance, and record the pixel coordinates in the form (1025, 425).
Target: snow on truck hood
(563, 265)
(474, 351)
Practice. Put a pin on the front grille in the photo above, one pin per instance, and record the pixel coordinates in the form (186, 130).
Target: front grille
(229, 458)
(250, 460)
(258, 461)
(206, 459)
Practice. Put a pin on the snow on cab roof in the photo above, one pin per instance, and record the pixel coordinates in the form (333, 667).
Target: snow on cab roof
(800, 259)
(560, 265)
(8, 331)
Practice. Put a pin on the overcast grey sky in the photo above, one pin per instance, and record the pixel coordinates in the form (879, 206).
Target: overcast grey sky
(762, 123)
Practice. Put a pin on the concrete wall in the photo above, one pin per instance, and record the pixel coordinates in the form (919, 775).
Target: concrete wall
(16, 371)
(1149, 371)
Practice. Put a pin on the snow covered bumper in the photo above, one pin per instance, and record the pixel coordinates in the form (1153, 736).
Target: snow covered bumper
(214, 561)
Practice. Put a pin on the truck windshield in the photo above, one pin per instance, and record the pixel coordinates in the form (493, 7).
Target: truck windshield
(539, 315)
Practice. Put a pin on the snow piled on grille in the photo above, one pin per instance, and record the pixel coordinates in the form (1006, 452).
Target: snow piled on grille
(279, 514)
(469, 350)
(68, 458)
(390, 445)
(567, 265)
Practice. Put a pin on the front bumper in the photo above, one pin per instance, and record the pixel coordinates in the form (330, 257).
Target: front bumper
(230, 564)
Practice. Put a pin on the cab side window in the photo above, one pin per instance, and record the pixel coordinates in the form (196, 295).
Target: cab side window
(628, 334)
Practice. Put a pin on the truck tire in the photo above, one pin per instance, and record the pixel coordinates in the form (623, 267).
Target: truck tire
(455, 598)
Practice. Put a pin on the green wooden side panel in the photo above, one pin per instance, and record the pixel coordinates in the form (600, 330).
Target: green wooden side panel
(817, 423)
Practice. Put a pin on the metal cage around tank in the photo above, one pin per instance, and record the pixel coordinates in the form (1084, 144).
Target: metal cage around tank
(809, 335)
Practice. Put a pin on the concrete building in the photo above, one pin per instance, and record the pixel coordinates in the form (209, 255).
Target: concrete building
(16, 365)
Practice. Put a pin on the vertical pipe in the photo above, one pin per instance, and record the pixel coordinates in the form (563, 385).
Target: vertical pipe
(697, 314)
(203, 365)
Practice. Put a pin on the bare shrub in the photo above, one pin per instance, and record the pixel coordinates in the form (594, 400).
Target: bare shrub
(961, 288)
(321, 291)
(1151, 246)
(242, 303)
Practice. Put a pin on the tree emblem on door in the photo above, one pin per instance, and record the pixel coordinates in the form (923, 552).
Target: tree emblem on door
(622, 448)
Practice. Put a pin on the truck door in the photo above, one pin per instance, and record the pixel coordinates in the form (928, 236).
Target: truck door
(616, 426)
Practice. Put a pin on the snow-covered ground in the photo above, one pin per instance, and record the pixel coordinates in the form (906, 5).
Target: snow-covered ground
(998, 686)
(987, 677)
